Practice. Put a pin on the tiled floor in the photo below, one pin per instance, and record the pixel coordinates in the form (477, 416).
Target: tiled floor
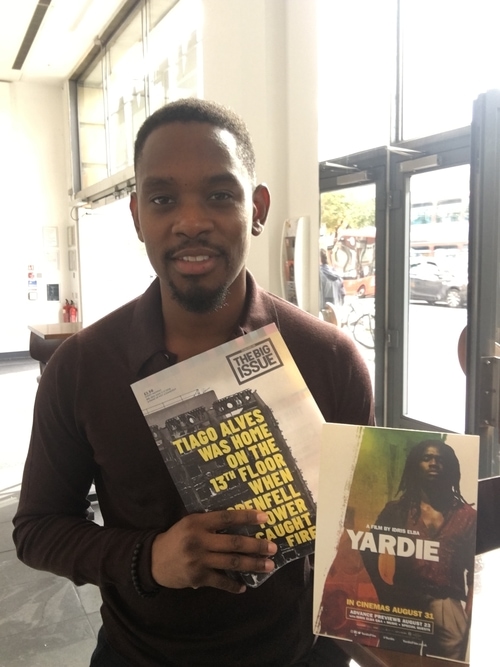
(45, 621)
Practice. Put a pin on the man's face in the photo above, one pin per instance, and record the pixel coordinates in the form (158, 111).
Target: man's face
(195, 210)
(431, 466)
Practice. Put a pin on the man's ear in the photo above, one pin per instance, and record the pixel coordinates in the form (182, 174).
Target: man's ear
(261, 203)
(134, 209)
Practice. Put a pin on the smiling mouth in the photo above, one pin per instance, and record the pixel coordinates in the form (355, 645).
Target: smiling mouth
(196, 258)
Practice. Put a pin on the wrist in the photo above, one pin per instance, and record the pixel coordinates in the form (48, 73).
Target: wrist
(140, 570)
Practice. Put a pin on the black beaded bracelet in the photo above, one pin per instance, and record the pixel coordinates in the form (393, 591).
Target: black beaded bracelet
(135, 575)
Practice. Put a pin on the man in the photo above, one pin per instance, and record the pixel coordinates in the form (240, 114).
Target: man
(331, 284)
(432, 508)
(166, 600)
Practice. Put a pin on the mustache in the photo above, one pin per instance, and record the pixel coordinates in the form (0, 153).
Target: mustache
(197, 245)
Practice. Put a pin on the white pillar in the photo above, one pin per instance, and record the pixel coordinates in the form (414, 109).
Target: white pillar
(259, 58)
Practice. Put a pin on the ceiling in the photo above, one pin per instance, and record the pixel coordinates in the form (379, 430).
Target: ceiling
(68, 31)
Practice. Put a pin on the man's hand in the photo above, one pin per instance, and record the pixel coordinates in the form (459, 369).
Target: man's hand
(193, 552)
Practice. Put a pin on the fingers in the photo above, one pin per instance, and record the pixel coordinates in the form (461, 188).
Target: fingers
(215, 579)
(225, 519)
(212, 523)
(231, 551)
(238, 562)
(195, 552)
(213, 573)
(234, 543)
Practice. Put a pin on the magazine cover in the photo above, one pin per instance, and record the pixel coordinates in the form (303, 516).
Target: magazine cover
(396, 530)
(238, 428)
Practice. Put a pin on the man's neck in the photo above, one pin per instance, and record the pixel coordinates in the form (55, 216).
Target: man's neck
(188, 334)
(438, 498)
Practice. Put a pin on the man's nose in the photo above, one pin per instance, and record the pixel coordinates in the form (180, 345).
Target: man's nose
(192, 219)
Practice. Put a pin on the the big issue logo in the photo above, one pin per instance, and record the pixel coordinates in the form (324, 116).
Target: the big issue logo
(253, 361)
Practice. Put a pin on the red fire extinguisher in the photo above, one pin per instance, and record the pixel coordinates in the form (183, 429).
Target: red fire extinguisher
(73, 312)
(65, 311)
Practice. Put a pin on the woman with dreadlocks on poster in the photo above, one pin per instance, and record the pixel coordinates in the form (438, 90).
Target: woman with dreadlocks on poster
(435, 581)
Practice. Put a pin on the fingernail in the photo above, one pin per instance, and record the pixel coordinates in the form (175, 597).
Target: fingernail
(262, 517)
(271, 548)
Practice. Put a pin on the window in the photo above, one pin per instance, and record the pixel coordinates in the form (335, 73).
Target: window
(91, 115)
(357, 74)
(153, 58)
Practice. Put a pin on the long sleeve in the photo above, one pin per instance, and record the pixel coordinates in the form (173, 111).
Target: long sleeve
(52, 531)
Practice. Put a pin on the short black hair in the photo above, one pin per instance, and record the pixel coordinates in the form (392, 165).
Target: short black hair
(192, 110)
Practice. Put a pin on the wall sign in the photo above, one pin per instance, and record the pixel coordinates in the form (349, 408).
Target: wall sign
(52, 292)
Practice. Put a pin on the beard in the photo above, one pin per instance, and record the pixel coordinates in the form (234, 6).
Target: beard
(200, 300)
(194, 297)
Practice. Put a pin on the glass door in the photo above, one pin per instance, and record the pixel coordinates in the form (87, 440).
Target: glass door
(413, 230)
(437, 278)
(428, 283)
(347, 264)
(351, 254)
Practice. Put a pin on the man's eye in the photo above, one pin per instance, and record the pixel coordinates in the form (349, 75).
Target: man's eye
(161, 200)
(221, 196)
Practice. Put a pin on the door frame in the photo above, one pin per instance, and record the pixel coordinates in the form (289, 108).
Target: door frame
(433, 153)
(383, 167)
(483, 330)
(390, 169)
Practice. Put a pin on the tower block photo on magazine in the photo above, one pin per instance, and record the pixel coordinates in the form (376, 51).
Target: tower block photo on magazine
(231, 454)
(396, 538)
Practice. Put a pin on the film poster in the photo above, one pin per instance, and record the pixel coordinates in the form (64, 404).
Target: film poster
(396, 527)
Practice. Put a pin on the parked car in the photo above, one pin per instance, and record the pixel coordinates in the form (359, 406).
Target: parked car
(429, 282)
(359, 286)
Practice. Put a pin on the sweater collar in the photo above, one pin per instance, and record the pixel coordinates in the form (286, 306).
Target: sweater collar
(147, 353)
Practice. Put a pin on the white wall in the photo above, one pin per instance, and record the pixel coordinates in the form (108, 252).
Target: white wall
(302, 134)
(33, 190)
(260, 59)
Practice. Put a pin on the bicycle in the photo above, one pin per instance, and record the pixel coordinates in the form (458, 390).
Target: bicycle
(362, 327)
(363, 330)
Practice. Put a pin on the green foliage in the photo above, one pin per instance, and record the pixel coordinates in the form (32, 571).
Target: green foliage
(337, 209)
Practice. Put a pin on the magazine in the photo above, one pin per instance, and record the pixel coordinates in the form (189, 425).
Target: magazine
(238, 428)
(396, 528)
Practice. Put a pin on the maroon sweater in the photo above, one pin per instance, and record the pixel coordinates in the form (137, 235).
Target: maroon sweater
(88, 427)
